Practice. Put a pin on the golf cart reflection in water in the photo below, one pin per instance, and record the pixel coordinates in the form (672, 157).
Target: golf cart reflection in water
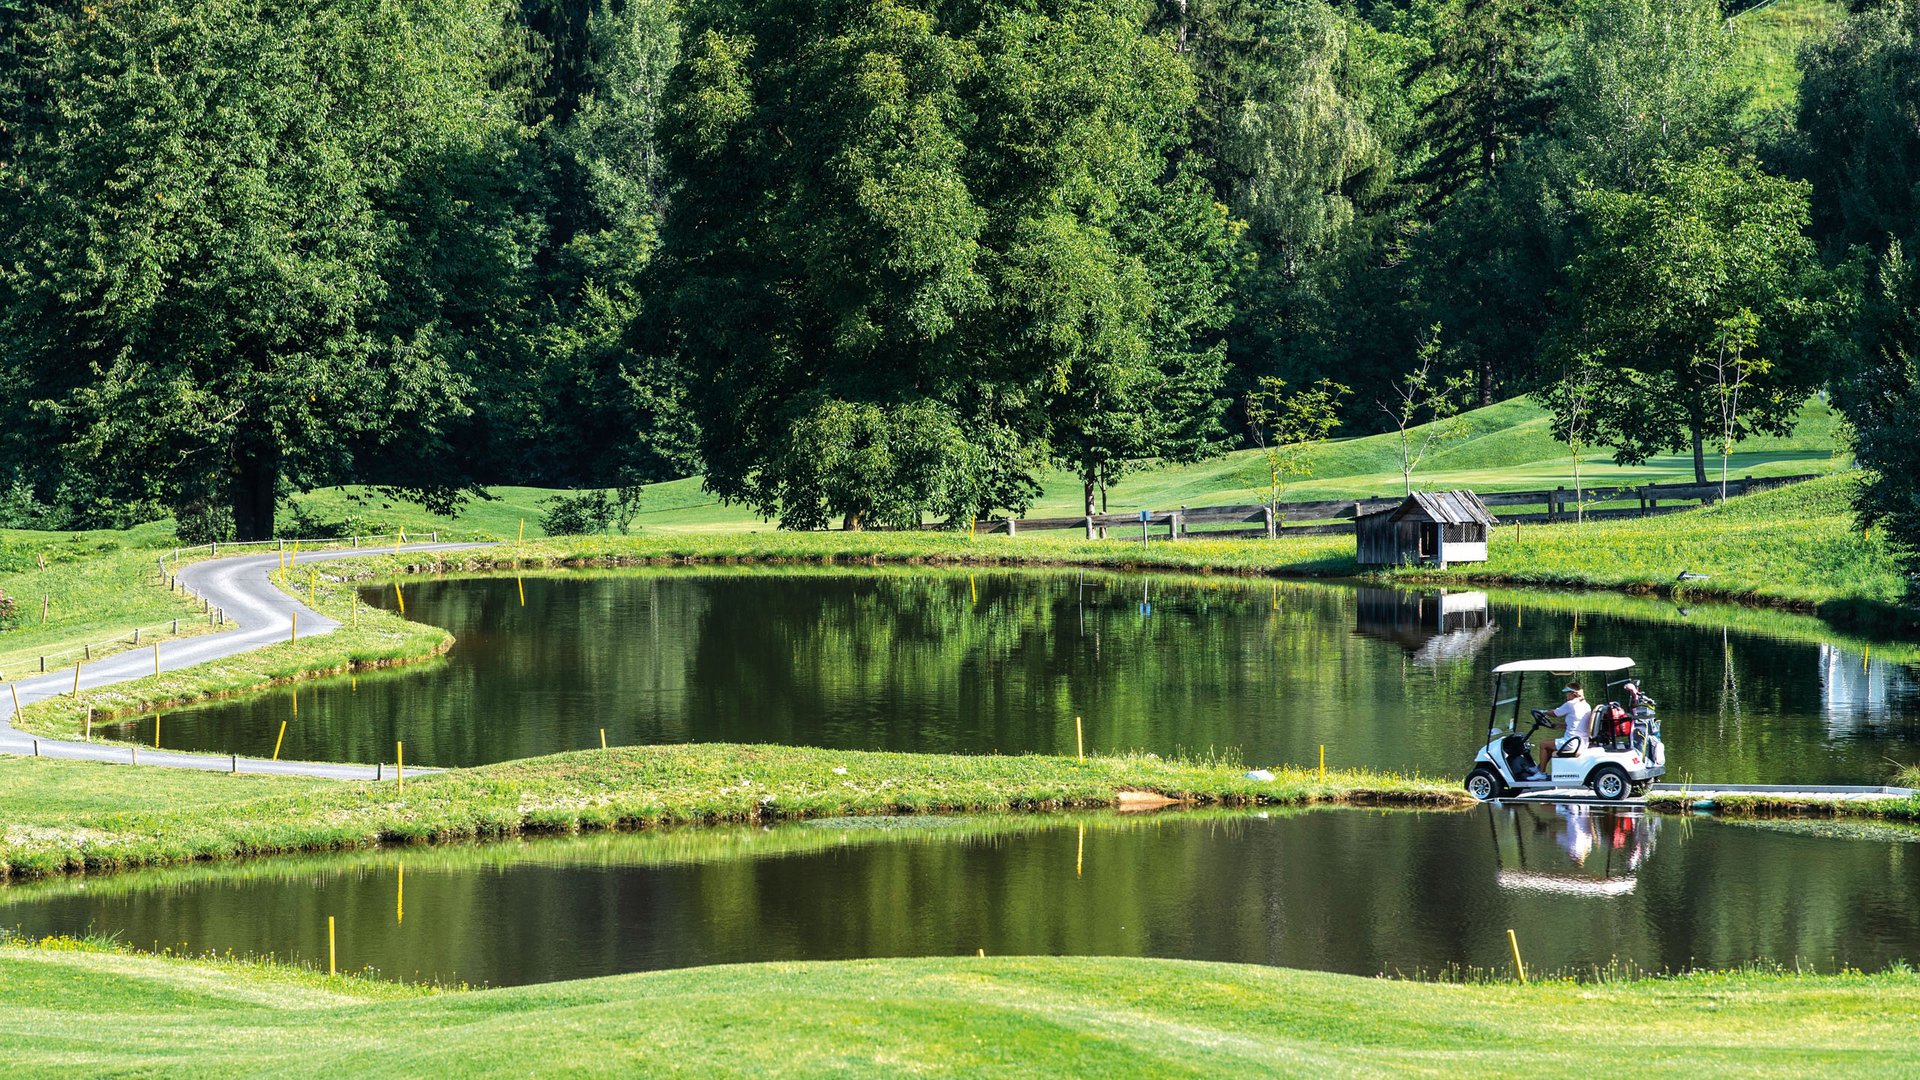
(1571, 849)
(1620, 755)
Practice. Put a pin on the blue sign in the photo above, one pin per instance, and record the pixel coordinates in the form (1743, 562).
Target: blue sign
(1146, 516)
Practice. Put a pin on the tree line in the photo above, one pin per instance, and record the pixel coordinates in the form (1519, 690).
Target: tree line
(874, 261)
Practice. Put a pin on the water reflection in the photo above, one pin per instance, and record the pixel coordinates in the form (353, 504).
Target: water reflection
(1353, 891)
(1575, 850)
(972, 662)
(1432, 627)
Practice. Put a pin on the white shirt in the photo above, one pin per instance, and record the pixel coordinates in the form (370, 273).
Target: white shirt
(1577, 713)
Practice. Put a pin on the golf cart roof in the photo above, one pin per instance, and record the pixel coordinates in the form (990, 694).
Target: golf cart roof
(1567, 665)
(1565, 884)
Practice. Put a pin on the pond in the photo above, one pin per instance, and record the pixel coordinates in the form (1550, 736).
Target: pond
(1362, 892)
(939, 661)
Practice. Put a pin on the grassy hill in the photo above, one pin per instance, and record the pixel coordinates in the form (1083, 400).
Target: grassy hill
(1767, 36)
(1507, 448)
(945, 1016)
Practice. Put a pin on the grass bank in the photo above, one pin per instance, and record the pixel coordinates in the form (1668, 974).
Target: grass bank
(1795, 548)
(971, 1016)
(368, 639)
(1798, 806)
(71, 590)
(70, 816)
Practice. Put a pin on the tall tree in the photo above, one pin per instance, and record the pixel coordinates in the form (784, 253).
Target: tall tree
(211, 218)
(880, 204)
(604, 400)
(1482, 81)
(1880, 395)
(1859, 144)
(1860, 148)
(1710, 245)
(1646, 82)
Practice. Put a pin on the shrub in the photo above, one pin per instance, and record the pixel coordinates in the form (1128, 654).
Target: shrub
(591, 511)
(311, 526)
(203, 521)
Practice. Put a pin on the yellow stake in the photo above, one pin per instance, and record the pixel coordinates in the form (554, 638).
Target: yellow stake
(400, 896)
(523, 531)
(1080, 855)
(1079, 740)
(400, 765)
(332, 967)
(156, 659)
(973, 588)
(1323, 761)
(294, 632)
(76, 677)
(1519, 968)
(398, 539)
(156, 731)
(603, 738)
(15, 690)
(277, 742)
(89, 725)
(522, 586)
(401, 597)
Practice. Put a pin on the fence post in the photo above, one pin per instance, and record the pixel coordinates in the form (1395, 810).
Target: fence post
(1174, 519)
(1273, 523)
(1089, 526)
(1010, 527)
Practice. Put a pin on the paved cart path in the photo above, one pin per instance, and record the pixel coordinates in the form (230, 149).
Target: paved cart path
(258, 614)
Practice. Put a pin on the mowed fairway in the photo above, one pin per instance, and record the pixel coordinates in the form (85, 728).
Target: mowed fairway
(965, 1016)
(1506, 447)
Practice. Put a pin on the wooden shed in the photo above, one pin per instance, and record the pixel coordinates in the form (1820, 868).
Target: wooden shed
(1436, 527)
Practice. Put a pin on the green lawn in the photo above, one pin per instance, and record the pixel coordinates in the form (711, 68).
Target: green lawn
(945, 1016)
(97, 587)
(68, 816)
(1798, 546)
(1768, 36)
(1507, 448)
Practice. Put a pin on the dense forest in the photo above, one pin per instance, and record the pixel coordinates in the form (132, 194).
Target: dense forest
(864, 261)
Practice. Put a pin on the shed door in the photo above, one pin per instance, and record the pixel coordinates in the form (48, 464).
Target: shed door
(1429, 539)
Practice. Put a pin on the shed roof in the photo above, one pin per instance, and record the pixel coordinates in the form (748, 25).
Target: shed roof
(1447, 507)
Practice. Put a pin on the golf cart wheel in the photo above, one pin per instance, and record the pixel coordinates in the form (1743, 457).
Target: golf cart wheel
(1484, 784)
(1610, 782)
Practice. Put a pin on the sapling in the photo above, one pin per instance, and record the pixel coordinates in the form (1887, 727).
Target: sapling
(1287, 427)
(1426, 410)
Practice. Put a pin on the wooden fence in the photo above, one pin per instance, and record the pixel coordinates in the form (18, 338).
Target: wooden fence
(1332, 516)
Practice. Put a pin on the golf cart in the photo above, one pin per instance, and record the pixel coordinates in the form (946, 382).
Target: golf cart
(1623, 755)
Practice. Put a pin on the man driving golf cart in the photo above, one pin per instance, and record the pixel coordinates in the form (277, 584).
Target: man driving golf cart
(1613, 749)
(1576, 719)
